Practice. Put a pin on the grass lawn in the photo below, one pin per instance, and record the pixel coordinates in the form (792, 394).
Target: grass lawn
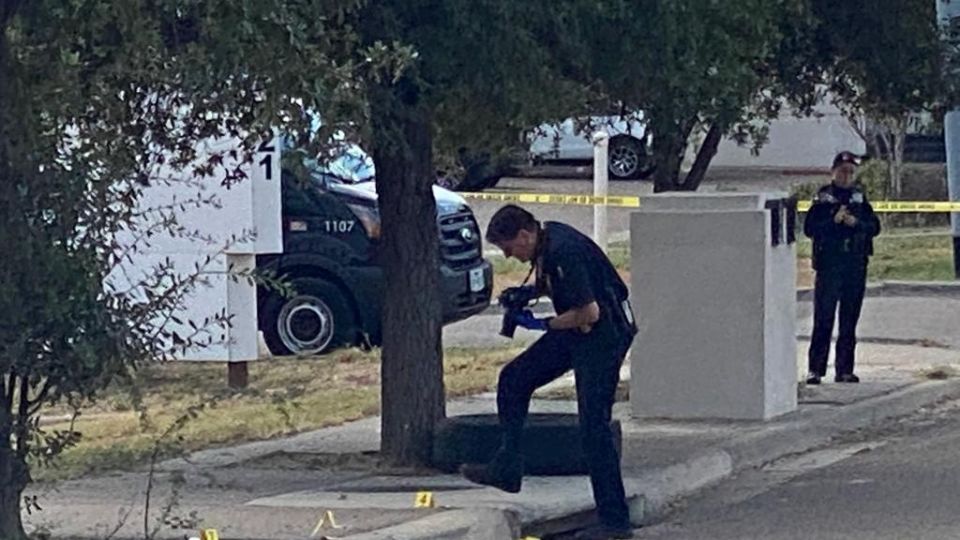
(900, 254)
(903, 254)
(285, 396)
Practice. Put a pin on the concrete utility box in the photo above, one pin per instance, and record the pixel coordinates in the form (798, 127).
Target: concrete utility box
(713, 284)
(221, 230)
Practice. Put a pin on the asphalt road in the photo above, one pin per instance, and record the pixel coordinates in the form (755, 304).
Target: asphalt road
(901, 482)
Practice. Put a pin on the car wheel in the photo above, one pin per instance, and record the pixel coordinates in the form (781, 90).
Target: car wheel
(627, 159)
(551, 442)
(315, 320)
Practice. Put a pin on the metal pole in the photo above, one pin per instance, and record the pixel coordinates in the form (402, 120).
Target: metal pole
(951, 128)
(601, 145)
(947, 11)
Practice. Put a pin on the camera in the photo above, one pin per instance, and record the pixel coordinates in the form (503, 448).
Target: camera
(514, 300)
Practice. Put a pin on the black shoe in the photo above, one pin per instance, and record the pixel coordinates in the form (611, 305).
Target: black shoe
(847, 378)
(505, 474)
(603, 532)
(813, 378)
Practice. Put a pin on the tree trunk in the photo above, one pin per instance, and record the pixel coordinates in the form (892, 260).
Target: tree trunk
(412, 392)
(885, 137)
(862, 126)
(706, 153)
(11, 526)
(13, 470)
(667, 158)
(669, 145)
(13, 475)
(899, 136)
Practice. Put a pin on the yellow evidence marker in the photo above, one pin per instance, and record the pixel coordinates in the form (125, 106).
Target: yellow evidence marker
(424, 500)
(327, 520)
(209, 534)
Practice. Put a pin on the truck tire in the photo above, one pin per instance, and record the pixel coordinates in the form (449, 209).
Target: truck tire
(315, 320)
(551, 443)
(628, 159)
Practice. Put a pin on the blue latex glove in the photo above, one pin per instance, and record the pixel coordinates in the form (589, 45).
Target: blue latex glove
(526, 320)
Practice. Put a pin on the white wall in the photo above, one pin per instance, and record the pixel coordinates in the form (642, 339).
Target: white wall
(796, 143)
(219, 237)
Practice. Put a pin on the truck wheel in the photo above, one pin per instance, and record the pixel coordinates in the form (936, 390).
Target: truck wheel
(315, 320)
(551, 443)
(627, 159)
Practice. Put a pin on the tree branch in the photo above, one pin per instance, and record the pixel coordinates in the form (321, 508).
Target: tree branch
(23, 416)
(859, 128)
(37, 402)
(11, 386)
(706, 153)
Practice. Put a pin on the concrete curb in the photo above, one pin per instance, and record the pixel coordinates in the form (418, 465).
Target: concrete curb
(918, 288)
(451, 525)
(671, 482)
(941, 289)
(651, 493)
(913, 342)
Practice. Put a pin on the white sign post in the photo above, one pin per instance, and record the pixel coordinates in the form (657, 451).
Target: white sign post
(221, 229)
(947, 13)
(601, 146)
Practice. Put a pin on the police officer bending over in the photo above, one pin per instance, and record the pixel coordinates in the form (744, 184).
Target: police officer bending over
(842, 225)
(591, 334)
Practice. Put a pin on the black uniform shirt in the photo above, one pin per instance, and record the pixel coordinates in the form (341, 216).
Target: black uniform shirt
(574, 272)
(838, 244)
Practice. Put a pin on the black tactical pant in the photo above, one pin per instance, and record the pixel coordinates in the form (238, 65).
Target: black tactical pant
(844, 284)
(596, 363)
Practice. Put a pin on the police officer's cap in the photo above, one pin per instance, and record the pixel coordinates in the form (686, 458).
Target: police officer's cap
(846, 157)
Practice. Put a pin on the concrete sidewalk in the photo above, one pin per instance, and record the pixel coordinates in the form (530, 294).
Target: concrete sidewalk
(281, 489)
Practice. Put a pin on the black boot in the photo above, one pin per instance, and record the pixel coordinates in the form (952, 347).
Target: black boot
(504, 472)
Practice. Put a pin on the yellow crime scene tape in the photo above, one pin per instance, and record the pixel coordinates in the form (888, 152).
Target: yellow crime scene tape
(554, 198)
(635, 202)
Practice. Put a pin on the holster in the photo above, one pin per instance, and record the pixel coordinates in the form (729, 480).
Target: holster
(621, 313)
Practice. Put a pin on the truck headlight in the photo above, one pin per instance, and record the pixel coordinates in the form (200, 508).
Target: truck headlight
(370, 217)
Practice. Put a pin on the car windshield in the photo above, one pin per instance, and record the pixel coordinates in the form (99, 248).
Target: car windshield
(351, 166)
(344, 161)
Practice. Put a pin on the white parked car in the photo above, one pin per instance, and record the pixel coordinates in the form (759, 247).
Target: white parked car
(570, 142)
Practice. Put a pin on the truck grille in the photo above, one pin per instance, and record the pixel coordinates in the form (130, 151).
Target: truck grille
(460, 244)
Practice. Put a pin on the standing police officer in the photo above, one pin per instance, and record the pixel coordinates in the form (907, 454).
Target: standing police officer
(591, 334)
(842, 224)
